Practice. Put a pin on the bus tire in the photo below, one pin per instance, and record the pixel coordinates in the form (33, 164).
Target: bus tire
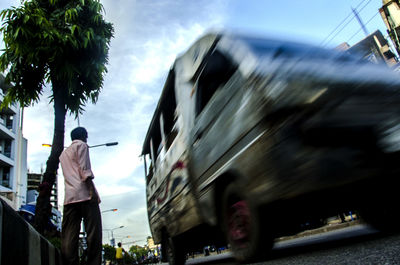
(244, 229)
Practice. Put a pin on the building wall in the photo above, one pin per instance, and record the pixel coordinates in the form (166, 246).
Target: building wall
(21, 170)
(150, 243)
(13, 154)
(374, 48)
(390, 13)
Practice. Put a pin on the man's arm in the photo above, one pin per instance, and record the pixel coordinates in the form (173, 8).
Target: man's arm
(85, 170)
(90, 186)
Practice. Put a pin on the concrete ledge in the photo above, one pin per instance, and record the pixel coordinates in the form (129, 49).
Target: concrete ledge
(21, 244)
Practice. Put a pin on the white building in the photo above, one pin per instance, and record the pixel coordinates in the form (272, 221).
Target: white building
(13, 154)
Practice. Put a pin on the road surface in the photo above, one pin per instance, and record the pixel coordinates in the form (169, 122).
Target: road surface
(357, 244)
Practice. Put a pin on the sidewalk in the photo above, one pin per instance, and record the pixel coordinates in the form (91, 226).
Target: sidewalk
(329, 227)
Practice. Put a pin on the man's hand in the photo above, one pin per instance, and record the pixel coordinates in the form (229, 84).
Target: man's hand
(90, 186)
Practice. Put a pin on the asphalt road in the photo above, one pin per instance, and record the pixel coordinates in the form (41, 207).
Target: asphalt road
(357, 244)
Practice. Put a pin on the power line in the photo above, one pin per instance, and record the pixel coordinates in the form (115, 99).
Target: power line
(351, 13)
(361, 28)
(337, 33)
(348, 22)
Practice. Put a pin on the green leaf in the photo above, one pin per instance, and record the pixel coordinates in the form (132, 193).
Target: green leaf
(88, 35)
(50, 41)
(26, 18)
(74, 43)
(16, 33)
(67, 15)
(73, 29)
(3, 13)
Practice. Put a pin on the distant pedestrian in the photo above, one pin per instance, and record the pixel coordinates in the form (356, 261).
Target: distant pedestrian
(206, 251)
(119, 254)
(81, 202)
(342, 217)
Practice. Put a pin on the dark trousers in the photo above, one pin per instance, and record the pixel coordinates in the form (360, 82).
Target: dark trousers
(71, 224)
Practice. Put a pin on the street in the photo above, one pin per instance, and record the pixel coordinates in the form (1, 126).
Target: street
(358, 244)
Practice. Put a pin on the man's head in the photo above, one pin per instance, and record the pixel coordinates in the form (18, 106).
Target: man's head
(79, 133)
(119, 244)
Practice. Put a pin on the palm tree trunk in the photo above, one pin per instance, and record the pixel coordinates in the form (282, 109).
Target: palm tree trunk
(43, 206)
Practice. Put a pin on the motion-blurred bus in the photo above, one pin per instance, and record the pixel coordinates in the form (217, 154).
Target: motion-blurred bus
(254, 139)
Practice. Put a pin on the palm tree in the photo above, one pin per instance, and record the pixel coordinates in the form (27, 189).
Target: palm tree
(63, 43)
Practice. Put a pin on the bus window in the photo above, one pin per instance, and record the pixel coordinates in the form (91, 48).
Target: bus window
(217, 71)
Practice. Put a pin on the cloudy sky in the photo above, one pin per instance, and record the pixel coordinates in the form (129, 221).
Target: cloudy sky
(149, 34)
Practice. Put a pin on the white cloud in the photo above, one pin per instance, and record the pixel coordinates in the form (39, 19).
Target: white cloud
(106, 189)
(118, 163)
(146, 44)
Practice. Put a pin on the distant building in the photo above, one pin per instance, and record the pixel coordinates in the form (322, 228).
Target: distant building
(155, 249)
(390, 12)
(13, 153)
(342, 47)
(374, 48)
(150, 243)
(34, 179)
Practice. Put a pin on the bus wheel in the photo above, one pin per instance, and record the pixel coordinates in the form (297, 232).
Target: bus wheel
(173, 251)
(244, 229)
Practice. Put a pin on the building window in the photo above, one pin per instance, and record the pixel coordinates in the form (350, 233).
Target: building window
(217, 71)
(5, 177)
(3, 120)
(9, 122)
(7, 148)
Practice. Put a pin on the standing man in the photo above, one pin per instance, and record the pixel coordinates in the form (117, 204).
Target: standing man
(119, 256)
(81, 202)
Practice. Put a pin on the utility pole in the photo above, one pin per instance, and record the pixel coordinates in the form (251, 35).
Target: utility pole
(360, 21)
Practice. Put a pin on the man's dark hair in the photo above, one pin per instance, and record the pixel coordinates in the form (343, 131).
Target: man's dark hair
(79, 133)
(119, 244)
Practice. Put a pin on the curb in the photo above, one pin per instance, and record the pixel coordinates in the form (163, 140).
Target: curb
(324, 229)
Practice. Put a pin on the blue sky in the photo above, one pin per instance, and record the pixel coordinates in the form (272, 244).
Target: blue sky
(148, 37)
(306, 20)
